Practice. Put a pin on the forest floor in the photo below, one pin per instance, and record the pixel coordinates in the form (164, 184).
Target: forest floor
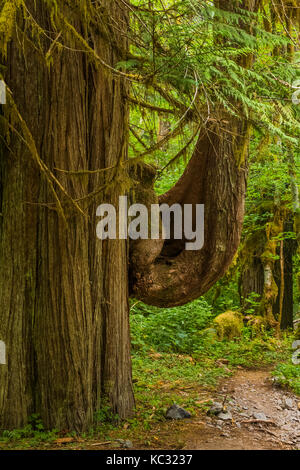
(262, 417)
(255, 382)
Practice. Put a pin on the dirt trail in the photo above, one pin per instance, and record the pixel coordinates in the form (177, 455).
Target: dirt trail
(258, 415)
(263, 417)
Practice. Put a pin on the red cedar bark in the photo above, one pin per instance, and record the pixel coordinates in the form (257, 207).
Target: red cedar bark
(64, 305)
(213, 178)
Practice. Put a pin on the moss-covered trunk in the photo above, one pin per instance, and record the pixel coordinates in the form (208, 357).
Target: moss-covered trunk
(64, 294)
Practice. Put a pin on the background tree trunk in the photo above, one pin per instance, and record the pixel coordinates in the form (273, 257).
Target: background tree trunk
(289, 249)
(64, 305)
(251, 281)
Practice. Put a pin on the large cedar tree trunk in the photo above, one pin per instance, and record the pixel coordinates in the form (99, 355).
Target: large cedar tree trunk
(64, 294)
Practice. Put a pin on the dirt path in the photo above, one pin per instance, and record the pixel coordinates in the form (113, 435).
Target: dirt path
(263, 417)
(257, 415)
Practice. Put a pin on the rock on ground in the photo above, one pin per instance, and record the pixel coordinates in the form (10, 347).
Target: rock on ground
(176, 412)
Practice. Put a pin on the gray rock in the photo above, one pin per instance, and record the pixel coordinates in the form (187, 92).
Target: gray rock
(288, 404)
(215, 409)
(125, 443)
(260, 416)
(176, 412)
(227, 416)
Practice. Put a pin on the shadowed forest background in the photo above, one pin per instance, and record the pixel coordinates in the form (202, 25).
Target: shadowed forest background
(189, 102)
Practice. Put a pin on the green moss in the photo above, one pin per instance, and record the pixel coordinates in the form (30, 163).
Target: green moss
(241, 145)
(7, 22)
(229, 325)
(257, 323)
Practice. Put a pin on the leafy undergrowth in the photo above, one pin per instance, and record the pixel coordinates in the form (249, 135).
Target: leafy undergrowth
(31, 436)
(177, 358)
(164, 378)
(161, 379)
(288, 375)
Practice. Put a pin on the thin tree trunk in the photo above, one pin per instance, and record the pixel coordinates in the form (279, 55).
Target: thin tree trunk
(288, 299)
(282, 286)
(289, 249)
(251, 281)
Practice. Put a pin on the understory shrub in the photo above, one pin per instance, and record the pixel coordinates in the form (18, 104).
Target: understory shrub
(176, 329)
